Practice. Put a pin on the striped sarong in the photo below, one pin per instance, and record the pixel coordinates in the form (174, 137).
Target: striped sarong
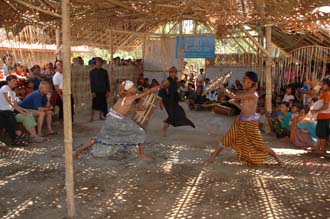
(245, 138)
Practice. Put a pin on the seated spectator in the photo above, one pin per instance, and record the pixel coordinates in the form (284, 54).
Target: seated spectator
(276, 109)
(305, 135)
(298, 96)
(39, 103)
(35, 75)
(237, 86)
(296, 117)
(154, 83)
(146, 83)
(48, 72)
(263, 121)
(288, 95)
(190, 94)
(29, 87)
(9, 104)
(20, 74)
(281, 125)
(213, 96)
(200, 98)
(141, 85)
(182, 89)
(8, 67)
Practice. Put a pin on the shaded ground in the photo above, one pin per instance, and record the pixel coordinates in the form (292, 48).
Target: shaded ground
(174, 185)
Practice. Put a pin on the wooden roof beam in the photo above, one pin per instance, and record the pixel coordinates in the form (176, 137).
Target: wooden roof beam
(28, 5)
(126, 6)
(255, 42)
(131, 36)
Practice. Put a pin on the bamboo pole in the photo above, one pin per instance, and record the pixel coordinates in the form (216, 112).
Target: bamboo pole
(112, 75)
(268, 70)
(58, 44)
(69, 180)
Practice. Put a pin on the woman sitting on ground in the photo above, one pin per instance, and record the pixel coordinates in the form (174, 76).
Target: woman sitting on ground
(305, 135)
(281, 124)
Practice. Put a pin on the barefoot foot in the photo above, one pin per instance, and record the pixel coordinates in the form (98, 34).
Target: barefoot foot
(146, 158)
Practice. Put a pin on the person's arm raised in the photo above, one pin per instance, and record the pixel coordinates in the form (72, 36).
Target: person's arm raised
(147, 92)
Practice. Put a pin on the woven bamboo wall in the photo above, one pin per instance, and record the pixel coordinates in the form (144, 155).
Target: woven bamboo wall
(81, 86)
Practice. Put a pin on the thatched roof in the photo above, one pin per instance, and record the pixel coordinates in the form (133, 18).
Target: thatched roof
(296, 22)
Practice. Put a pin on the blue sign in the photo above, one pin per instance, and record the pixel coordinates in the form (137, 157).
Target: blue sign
(196, 46)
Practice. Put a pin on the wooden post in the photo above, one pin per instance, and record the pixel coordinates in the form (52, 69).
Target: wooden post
(112, 76)
(69, 184)
(268, 70)
(58, 44)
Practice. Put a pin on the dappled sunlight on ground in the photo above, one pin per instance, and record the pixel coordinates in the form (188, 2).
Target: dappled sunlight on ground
(175, 185)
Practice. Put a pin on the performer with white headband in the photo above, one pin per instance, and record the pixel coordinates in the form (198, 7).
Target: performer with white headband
(118, 129)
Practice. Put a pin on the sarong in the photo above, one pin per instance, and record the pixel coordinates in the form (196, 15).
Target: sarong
(279, 129)
(117, 133)
(245, 138)
(302, 139)
(100, 103)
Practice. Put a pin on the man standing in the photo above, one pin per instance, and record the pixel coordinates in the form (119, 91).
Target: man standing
(59, 85)
(170, 100)
(100, 88)
(39, 103)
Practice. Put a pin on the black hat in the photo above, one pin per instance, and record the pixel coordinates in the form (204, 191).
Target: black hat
(252, 76)
(326, 80)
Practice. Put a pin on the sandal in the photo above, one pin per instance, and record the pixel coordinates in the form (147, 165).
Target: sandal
(51, 133)
(38, 139)
(18, 142)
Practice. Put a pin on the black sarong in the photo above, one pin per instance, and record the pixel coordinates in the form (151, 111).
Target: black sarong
(100, 103)
(176, 114)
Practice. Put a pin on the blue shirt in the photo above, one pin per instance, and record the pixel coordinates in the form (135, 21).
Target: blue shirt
(286, 122)
(34, 101)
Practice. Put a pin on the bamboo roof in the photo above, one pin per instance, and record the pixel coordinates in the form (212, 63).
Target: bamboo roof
(296, 22)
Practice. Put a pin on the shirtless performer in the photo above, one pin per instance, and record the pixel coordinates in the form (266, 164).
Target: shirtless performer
(119, 129)
(244, 135)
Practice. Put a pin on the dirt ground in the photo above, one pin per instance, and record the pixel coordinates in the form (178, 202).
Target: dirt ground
(174, 185)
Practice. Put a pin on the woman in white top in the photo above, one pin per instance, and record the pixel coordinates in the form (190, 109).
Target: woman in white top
(9, 105)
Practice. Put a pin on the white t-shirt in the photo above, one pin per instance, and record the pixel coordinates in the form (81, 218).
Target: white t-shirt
(58, 80)
(287, 98)
(4, 105)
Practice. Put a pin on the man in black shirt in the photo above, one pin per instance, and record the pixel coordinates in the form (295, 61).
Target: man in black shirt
(100, 88)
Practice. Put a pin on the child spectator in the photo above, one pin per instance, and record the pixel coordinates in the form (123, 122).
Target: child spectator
(288, 95)
(295, 111)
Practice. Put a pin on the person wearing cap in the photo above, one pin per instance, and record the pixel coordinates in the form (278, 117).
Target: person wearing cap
(119, 130)
(100, 88)
(244, 135)
(323, 118)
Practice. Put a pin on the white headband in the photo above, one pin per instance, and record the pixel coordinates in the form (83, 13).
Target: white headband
(128, 85)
